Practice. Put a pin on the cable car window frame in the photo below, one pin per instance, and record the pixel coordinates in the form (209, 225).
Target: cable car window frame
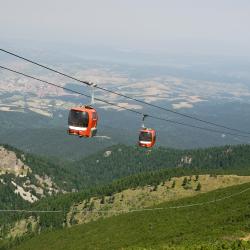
(94, 116)
(143, 138)
(80, 121)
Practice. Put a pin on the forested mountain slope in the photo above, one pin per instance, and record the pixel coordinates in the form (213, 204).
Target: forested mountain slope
(107, 173)
(34, 177)
(218, 225)
(120, 161)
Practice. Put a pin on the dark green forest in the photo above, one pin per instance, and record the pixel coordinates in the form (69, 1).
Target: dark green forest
(123, 161)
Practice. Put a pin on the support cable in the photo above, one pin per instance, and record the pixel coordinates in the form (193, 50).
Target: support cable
(123, 95)
(125, 108)
(135, 210)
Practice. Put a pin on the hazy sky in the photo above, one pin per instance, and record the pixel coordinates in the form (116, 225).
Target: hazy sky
(195, 26)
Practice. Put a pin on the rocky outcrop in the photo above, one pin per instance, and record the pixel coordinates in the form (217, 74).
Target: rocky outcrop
(9, 163)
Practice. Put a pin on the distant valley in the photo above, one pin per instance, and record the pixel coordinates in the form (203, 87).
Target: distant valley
(29, 108)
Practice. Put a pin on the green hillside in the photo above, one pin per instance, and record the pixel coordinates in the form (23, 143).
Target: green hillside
(120, 161)
(9, 200)
(121, 167)
(42, 166)
(209, 226)
(115, 169)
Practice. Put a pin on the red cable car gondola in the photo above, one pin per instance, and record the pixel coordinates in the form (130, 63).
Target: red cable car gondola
(82, 120)
(147, 136)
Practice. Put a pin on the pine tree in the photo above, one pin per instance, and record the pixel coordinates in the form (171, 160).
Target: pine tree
(173, 184)
(196, 178)
(185, 181)
(198, 188)
(102, 201)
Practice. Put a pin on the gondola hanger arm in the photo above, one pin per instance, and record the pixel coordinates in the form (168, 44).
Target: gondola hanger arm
(92, 93)
(144, 116)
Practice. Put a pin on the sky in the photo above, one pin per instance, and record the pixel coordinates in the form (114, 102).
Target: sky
(176, 26)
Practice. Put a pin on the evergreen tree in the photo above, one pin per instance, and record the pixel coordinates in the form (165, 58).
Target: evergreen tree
(102, 200)
(185, 181)
(198, 188)
(173, 184)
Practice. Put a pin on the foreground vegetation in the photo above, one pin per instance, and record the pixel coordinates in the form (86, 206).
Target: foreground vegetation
(218, 225)
(113, 170)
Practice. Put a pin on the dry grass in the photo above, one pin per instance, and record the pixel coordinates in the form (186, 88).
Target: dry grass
(126, 200)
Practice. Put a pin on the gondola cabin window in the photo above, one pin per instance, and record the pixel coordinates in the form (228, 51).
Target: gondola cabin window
(78, 118)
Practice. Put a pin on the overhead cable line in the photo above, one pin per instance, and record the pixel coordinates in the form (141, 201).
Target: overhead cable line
(122, 107)
(136, 210)
(68, 89)
(180, 206)
(30, 211)
(125, 96)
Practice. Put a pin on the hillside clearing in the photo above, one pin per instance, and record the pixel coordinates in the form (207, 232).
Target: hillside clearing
(141, 197)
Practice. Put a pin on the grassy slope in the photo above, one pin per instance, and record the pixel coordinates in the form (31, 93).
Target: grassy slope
(226, 220)
(140, 197)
